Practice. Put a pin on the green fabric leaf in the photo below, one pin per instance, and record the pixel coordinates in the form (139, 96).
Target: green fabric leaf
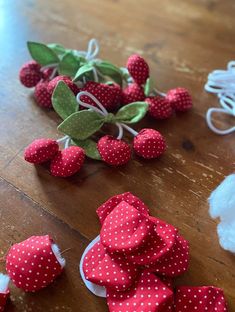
(42, 53)
(90, 148)
(82, 124)
(132, 112)
(110, 70)
(57, 48)
(68, 65)
(64, 101)
(148, 88)
(85, 69)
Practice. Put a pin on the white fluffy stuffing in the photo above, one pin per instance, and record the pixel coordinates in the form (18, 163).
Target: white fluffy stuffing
(222, 205)
(57, 254)
(4, 281)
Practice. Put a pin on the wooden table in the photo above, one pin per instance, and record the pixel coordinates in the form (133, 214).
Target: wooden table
(182, 41)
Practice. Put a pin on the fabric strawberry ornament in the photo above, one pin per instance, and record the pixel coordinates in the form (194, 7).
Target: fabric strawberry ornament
(67, 162)
(138, 68)
(180, 99)
(159, 107)
(41, 94)
(149, 143)
(200, 299)
(53, 83)
(34, 263)
(41, 150)
(114, 235)
(132, 93)
(113, 151)
(30, 74)
(4, 290)
(108, 270)
(105, 209)
(148, 293)
(108, 95)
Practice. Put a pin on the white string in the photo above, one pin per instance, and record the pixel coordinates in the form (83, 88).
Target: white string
(132, 131)
(102, 111)
(97, 290)
(92, 50)
(222, 83)
(62, 139)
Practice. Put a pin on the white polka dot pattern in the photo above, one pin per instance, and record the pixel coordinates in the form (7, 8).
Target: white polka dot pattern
(53, 83)
(125, 229)
(107, 269)
(105, 209)
(180, 99)
(113, 151)
(41, 150)
(149, 144)
(42, 96)
(159, 107)
(31, 264)
(132, 93)
(108, 95)
(67, 162)
(138, 68)
(30, 74)
(128, 274)
(148, 294)
(199, 299)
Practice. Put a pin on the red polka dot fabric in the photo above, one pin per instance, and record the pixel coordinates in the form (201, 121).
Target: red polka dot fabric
(200, 299)
(108, 269)
(3, 299)
(41, 150)
(137, 258)
(31, 264)
(108, 95)
(105, 209)
(125, 229)
(148, 294)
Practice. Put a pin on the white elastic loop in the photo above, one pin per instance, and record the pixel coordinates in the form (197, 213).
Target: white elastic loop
(97, 290)
(210, 124)
(93, 49)
(120, 131)
(101, 109)
(222, 83)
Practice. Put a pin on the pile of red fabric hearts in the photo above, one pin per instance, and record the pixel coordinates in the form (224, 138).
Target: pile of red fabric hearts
(135, 259)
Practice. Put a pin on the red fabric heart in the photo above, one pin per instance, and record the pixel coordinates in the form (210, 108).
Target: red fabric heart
(104, 210)
(160, 242)
(148, 294)
(125, 229)
(108, 270)
(200, 299)
(32, 264)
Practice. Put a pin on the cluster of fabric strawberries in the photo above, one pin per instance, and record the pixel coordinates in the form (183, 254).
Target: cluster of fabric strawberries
(129, 86)
(135, 259)
(31, 265)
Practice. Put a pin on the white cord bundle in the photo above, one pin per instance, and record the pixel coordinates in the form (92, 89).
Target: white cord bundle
(222, 83)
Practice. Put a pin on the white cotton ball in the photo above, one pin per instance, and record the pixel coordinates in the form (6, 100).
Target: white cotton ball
(226, 233)
(4, 281)
(222, 205)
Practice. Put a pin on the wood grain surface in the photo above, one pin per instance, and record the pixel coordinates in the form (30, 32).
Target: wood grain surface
(183, 41)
